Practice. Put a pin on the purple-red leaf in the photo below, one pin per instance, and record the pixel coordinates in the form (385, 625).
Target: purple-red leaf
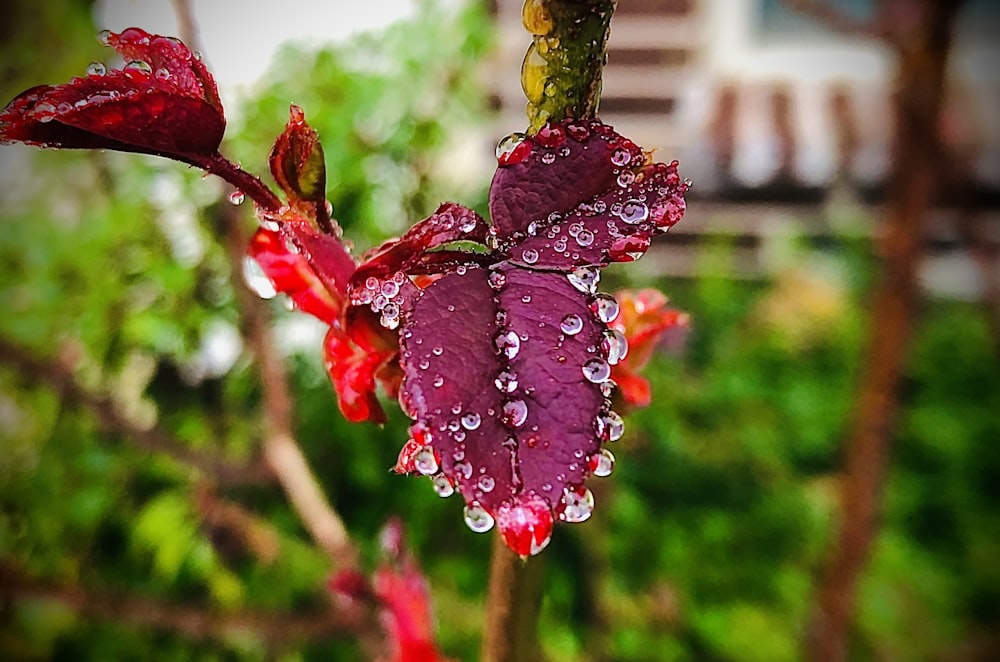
(577, 193)
(163, 101)
(505, 373)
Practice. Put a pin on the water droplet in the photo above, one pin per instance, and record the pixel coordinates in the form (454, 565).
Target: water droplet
(237, 197)
(626, 178)
(534, 73)
(526, 298)
(628, 249)
(513, 149)
(577, 504)
(464, 469)
(596, 370)
(487, 483)
(438, 382)
(162, 74)
(551, 136)
(548, 158)
(515, 413)
(585, 279)
(442, 485)
(535, 17)
(256, 279)
(529, 256)
(506, 381)
(497, 279)
(615, 346)
(390, 316)
(571, 324)
(104, 37)
(610, 426)
(508, 344)
(471, 420)
(574, 229)
(605, 307)
(140, 67)
(96, 69)
(390, 288)
(425, 461)
(601, 464)
(437, 351)
(579, 132)
(634, 212)
(44, 112)
(620, 157)
(585, 238)
(478, 518)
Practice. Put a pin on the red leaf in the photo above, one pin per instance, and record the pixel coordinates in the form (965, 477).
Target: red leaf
(582, 195)
(296, 161)
(504, 376)
(163, 101)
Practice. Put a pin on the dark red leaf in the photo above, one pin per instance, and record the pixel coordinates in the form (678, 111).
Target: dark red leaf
(163, 102)
(581, 195)
(506, 377)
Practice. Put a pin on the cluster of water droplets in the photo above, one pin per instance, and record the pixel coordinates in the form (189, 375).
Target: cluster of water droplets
(385, 296)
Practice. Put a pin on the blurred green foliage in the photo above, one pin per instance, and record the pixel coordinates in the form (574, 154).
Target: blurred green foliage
(704, 544)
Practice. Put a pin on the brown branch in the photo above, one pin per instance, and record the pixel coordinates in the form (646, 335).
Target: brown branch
(153, 439)
(513, 603)
(916, 108)
(281, 451)
(194, 621)
(187, 28)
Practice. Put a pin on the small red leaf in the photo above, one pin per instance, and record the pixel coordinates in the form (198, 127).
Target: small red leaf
(163, 102)
(297, 164)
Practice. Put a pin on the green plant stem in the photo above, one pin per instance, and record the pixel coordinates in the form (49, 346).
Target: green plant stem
(562, 70)
(512, 607)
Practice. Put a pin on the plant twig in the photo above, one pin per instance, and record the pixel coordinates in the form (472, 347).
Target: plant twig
(512, 607)
(922, 56)
(153, 439)
(281, 452)
(195, 621)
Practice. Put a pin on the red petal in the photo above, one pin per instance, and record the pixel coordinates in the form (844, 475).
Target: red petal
(352, 371)
(291, 274)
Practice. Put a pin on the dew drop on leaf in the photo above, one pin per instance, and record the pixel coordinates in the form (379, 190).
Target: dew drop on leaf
(634, 212)
(506, 381)
(478, 518)
(425, 461)
(529, 255)
(585, 279)
(96, 69)
(577, 504)
(471, 420)
(508, 343)
(601, 464)
(237, 197)
(571, 324)
(605, 307)
(596, 370)
(442, 485)
(515, 413)
(615, 346)
(610, 426)
(486, 483)
(513, 149)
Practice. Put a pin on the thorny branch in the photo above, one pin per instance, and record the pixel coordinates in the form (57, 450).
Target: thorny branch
(281, 452)
(196, 621)
(153, 439)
